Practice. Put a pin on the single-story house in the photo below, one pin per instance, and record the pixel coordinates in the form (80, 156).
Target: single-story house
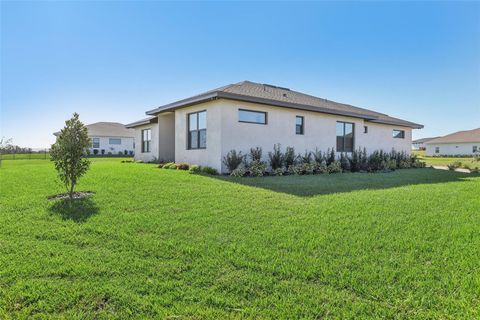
(202, 129)
(461, 143)
(419, 144)
(110, 138)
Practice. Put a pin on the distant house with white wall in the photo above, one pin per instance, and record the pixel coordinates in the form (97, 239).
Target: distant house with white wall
(461, 143)
(202, 129)
(110, 138)
(419, 144)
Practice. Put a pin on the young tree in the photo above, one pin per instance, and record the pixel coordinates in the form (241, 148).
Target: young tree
(68, 153)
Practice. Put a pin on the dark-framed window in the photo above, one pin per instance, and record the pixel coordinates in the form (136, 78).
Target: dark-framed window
(96, 143)
(345, 136)
(365, 129)
(474, 149)
(398, 134)
(197, 130)
(299, 125)
(146, 140)
(437, 149)
(115, 141)
(251, 116)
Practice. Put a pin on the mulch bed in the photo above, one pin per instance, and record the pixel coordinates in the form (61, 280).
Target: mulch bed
(76, 195)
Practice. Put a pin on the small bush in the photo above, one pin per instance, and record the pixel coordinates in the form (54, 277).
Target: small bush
(257, 168)
(194, 169)
(306, 157)
(289, 157)
(120, 153)
(233, 159)
(334, 167)
(95, 151)
(392, 164)
(276, 157)
(295, 169)
(209, 170)
(169, 165)
(278, 171)
(102, 151)
(455, 165)
(308, 168)
(321, 168)
(240, 171)
(256, 154)
(182, 166)
(330, 156)
(160, 165)
(318, 156)
(345, 162)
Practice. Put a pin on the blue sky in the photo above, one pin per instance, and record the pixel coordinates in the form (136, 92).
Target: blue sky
(112, 61)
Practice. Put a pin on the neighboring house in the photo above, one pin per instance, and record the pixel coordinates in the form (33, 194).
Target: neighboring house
(419, 144)
(110, 138)
(202, 129)
(465, 143)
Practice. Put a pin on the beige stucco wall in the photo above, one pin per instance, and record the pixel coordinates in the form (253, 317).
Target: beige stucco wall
(126, 144)
(166, 137)
(211, 156)
(153, 155)
(225, 133)
(451, 149)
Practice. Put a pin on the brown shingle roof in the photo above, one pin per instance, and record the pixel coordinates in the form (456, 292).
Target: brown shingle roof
(424, 140)
(109, 129)
(460, 136)
(283, 97)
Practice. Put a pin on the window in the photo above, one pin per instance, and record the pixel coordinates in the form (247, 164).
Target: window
(437, 149)
(345, 136)
(252, 116)
(197, 130)
(365, 129)
(115, 141)
(299, 125)
(146, 140)
(474, 149)
(96, 143)
(399, 134)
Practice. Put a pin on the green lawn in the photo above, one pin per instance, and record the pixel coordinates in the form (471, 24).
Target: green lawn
(445, 161)
(155, 243)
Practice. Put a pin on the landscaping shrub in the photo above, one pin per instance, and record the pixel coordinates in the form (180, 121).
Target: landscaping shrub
(296, 169)
(95, 151)
(334, 167)
(257, 168)
(240, 171)
(345, 163)
(289, 157)
(256, 154)
(182, 166)
(455, 165)
(321, 168)
(169, 165)
(102, 151)
(233, 159)
(318, 156)
(195, 169)
(392, 164)
(160, 165)
(278, 172)
(276, 158)
(209, 170)
(120, 153)
(305, 158)
(330, 156)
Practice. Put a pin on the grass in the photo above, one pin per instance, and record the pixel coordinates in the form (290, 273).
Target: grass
(445, 161)
(155, 243)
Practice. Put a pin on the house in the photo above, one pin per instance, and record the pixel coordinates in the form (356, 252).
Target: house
(202, 129)
(419, 144)
(110, 138)
(461, 143)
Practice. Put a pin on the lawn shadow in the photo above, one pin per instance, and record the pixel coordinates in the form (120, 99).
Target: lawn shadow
(312, 185)
(78, 210)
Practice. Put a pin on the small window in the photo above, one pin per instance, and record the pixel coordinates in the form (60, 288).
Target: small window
(299, 125)
(115, 141)
(146, 140)
(197, 130)
(474, 149)
(365, 129)
(437, 149)
(250, 116)
(398, 134)
(96, 143)
(345, 136)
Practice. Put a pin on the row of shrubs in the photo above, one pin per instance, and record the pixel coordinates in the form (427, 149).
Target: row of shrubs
(109, 153)
(316, 162)
(459, 164)
(194, 169)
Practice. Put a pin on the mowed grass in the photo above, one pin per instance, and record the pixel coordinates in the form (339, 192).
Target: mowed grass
(156, 243)
(445, 161)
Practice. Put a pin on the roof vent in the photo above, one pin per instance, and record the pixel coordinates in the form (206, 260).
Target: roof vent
(275, 87)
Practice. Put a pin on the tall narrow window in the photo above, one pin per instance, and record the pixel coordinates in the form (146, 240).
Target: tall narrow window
(345, 136)
(437, 149)
(146, 140)
(299, 125)
(197, 130)
(474, 149)
(96, 143)
(398, 134)
(365, 129)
